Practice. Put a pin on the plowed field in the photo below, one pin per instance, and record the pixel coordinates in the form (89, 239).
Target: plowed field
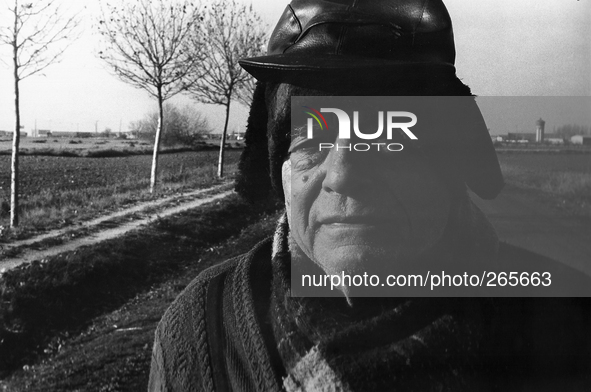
(40, 173)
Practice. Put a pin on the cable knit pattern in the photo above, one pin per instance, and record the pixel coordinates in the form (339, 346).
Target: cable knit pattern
(181, 359)
(249, 330)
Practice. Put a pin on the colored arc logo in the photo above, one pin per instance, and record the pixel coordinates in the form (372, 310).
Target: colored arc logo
(315, 117)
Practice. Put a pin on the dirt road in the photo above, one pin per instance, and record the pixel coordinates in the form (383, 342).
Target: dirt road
(522, 219)
(105, 227)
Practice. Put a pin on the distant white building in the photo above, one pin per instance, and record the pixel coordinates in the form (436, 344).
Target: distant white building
(9, 133)
(127, 135)
(581, 140)
(554, 140)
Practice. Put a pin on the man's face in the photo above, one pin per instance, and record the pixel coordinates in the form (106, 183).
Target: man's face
(357, 212)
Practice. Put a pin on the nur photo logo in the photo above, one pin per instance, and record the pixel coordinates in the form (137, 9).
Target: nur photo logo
(400, 121)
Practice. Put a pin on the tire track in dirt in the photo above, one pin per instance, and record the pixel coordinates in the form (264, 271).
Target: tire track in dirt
(108, 226)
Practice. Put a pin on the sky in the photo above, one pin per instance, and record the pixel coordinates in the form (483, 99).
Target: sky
(507, 48)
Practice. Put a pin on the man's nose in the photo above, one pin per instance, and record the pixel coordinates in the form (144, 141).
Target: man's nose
(346, 171)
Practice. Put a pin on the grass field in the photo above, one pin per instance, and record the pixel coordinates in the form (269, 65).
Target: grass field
(57, 190)
(93, 146)
(79, 146)
(564, 176)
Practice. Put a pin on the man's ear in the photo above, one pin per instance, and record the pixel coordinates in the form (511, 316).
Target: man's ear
(254, 182)
(286, 181)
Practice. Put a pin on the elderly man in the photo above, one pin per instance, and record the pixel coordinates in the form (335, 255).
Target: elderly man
(244, 326)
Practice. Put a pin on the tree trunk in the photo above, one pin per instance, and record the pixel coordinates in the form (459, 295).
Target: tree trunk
(157, 142)
(223, 142)
(15, 144)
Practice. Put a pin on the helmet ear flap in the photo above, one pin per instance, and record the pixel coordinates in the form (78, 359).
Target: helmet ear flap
(481, 170)
(455, 138)
(254, 180)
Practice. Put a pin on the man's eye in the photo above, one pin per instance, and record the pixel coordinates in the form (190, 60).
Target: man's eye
(305, 154)
(302, 160)
(300, 143)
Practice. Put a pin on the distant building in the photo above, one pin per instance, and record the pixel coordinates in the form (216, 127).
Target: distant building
(43, 133)
(125, 135)
(79, 135)
(62, 134)
(9, 133)
(581, 140)
(538, 137)
(554, 140)
(521, 137)
(540, 125)
(236, 136)
(84, 134)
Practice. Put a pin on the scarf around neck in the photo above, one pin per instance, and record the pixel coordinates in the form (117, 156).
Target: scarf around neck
(382, 344)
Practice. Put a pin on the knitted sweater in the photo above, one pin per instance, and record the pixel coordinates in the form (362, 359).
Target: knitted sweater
(219, 335)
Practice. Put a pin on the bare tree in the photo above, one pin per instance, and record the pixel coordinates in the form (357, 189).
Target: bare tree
(145, 43)
(38, 35)
(229, 32)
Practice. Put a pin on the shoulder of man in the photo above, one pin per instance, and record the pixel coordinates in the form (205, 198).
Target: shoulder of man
(541, 339)
(181, 353)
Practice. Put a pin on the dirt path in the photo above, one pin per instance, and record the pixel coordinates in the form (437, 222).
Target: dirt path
(105, 227)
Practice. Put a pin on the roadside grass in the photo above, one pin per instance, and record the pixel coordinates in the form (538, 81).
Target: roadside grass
(102, 152)
(572, 189)
(99, 147)
(74, 146)
(49, 209)
(46, 300)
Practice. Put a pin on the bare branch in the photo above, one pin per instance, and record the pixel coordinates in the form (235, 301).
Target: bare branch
(40, 33)
(144, 44)
(230, 31)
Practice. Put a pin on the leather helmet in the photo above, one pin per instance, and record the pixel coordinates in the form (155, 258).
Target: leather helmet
(316, 40)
